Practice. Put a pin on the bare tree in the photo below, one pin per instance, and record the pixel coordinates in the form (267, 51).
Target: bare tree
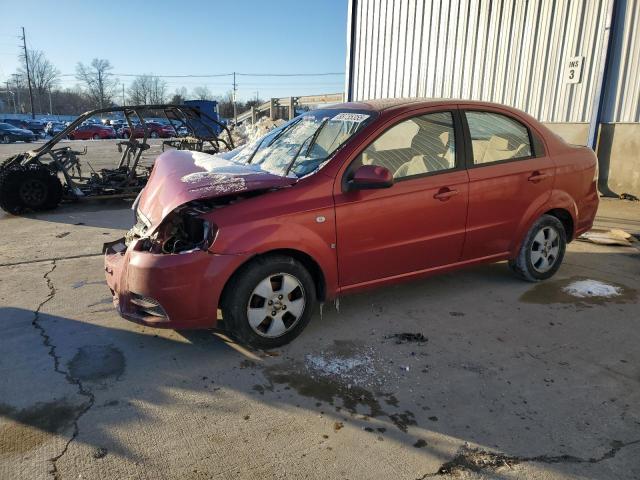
(225, 105)
(44, 75)
(179, 96)
(202, 93)
(158, 91)
(98, 81)
(147, 89)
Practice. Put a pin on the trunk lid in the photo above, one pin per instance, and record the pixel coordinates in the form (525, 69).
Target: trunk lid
(181, 176)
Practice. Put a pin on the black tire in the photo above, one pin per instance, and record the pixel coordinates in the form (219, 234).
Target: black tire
(30, 187)
(154, 135)
(6, 139)
(538, 261)
(96, 136)
(240, 291)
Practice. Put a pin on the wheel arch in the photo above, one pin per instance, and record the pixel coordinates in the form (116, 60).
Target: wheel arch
(311, 264)
(560, 205)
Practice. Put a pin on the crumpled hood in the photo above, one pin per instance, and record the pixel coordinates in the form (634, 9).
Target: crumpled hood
(181, 176)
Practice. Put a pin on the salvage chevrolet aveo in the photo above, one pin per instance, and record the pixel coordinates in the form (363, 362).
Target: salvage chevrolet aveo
(342, 199)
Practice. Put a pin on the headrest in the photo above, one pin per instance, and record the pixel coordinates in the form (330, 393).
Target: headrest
(498, 143)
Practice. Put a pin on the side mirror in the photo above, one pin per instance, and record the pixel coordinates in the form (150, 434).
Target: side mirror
(369, 177)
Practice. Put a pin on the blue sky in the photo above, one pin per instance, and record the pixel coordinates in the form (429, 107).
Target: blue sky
(189, 37)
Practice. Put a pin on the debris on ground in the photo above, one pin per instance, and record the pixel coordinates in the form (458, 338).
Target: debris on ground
(475, 460)
(591, 288)
(629, 196)
(608, 237)
(99, 452)
(408, 338)
(348, 368)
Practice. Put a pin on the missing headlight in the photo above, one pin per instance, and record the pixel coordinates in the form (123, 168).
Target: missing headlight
(185, 230)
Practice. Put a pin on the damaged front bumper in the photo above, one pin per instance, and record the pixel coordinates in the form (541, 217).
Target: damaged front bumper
(180, 291)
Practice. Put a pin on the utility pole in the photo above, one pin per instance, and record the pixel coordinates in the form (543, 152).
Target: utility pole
(123, 94)
(26, 61)
(50, 103)
(235, 111)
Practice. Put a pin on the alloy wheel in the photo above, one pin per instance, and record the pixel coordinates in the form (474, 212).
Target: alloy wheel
(544, 249)
(276, 305)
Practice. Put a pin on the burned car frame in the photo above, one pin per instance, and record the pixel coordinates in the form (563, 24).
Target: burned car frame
(40, 179)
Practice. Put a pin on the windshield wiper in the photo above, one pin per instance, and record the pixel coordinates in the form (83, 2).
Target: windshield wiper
(313, 139)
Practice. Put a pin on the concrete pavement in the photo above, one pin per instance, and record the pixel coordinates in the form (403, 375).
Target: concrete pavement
(514, 380)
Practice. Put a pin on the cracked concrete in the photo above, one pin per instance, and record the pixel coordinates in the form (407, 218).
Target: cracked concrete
(534, 390)
(73, 380)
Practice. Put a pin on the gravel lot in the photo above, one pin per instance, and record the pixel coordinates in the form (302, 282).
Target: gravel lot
(512, 380)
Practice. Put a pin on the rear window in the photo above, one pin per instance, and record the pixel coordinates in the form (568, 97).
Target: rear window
(496, 138)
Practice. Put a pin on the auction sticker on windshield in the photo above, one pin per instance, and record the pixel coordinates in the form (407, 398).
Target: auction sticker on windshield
(351, 117)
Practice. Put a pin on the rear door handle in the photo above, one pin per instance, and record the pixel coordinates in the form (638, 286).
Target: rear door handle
(537, 177)
(445, 194)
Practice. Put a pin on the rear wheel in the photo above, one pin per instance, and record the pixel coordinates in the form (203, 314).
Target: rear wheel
(31, 187)
(269, 302)
(96, 136)
(154, 134)
(542, 251)
(6, 139)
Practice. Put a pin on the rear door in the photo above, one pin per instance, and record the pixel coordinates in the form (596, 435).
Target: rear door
(418, 223)
(510, 175)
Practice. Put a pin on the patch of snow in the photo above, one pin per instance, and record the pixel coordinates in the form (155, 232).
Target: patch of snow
(357, 369)
(591, 288)
(248, 133)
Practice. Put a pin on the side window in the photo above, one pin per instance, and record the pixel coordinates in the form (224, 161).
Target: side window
(496, 137)
(416, 146)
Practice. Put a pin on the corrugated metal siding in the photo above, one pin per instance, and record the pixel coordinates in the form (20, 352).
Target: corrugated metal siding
(622, 100)
(508, 51)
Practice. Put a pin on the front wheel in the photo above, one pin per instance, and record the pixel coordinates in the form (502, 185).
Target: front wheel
(96, 136)
(542, 251)
(269, 301)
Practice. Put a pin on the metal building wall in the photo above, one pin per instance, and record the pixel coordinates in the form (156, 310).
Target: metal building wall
(513, 52)
(622, 93)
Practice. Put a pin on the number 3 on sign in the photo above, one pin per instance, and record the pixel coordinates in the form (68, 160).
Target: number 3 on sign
(574, 69)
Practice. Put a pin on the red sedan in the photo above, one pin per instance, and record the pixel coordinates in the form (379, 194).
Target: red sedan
(154, 129)
(342, 199)
(92, 131)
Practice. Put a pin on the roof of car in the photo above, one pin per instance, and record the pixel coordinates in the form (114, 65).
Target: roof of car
(389, 103)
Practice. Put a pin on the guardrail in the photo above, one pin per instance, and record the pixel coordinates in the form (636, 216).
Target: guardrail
(290, 103)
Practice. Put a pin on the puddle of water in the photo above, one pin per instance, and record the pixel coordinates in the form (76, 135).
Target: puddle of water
(29, 428)
(97, 362)
(579, 291)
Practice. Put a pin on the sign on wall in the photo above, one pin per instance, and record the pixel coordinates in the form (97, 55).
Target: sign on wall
(574, 70)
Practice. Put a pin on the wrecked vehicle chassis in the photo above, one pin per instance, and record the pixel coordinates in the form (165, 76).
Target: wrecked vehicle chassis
(42, 178)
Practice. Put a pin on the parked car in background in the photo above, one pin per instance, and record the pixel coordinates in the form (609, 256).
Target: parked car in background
(34, 126)
(155, 130)
(345, 198)
(95, 131)
(53, 128)
(10, 133)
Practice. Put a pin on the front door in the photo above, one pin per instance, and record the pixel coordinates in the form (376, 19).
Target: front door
(418, 223)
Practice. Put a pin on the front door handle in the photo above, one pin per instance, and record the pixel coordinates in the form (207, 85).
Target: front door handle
(537, 176)
(445, 194)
